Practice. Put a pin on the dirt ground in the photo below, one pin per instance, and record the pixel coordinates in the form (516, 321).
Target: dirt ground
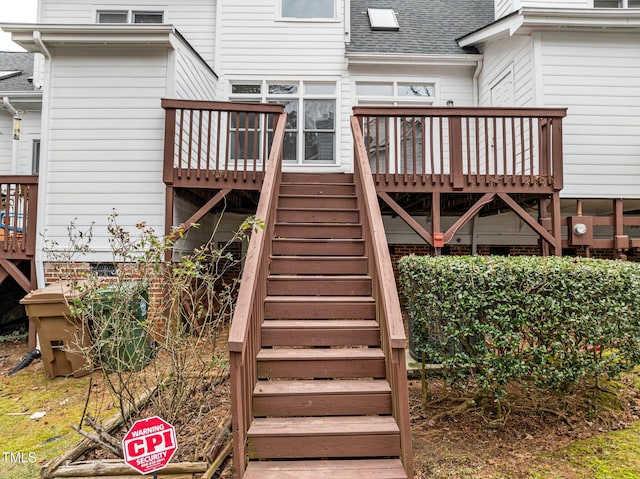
(452, 437)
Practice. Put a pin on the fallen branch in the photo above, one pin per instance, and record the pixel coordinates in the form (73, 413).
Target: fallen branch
(221, 436)
(95, 438)
(215, 465)
(83, 446)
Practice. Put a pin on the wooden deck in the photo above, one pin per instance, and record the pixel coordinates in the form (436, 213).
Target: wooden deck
(18, 233)
(18, 215)
(485, 156)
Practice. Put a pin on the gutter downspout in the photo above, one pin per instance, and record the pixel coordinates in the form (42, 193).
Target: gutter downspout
(476, 75)
(15, 146)
(44, 153)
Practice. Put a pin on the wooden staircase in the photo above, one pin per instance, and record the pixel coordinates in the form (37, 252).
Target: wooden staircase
(322, 406)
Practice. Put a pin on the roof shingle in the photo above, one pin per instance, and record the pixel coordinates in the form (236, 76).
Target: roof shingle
(427, 27)
(16, 61)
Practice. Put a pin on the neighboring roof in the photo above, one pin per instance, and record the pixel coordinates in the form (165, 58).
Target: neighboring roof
(528, 20)
(20, 64)
(426, 27)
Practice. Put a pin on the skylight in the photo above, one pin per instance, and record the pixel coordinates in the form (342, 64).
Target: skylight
(383, 19)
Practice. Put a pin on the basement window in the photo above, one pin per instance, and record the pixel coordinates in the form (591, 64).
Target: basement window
(383, 19)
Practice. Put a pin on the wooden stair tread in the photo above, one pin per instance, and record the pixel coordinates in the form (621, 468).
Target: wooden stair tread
(302, 387)
(322, 178)
(333, 469)
(318, 426)
(312, 208)
(320, 323)
(321, 240)
(314, 195)
(320, 332)
(312, 354)
(320, 299)
(319, 277)
(319, 225)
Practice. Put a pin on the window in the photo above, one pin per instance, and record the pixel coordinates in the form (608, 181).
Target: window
(616, 3)
(395, 93)
(310, 131)
(383, 19)
(308, 9)
(408, 134)
(35, 157)
(129, 16)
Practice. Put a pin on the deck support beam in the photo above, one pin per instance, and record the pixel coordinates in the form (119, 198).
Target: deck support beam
(12, 270)
(413, 224)
(535, 226)
(471, 212)
(203, 210)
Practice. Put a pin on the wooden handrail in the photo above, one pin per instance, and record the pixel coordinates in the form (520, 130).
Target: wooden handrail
(244, 335)
(388, 312)
(209, 142)
(470, 149)
(490, 112)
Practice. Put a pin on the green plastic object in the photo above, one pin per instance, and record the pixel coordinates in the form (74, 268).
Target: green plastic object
(120, 315)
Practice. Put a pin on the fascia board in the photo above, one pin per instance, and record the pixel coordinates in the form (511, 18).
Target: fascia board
(409, 59)
(22, 95)
(528, 20)
(84, 34)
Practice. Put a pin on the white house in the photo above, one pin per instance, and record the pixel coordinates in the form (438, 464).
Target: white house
(487, 126)
(102, 68)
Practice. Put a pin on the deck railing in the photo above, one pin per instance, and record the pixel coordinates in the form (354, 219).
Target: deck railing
(471, 149)
(217, 142)
(244, 335)
(388, 313)
(18, 216)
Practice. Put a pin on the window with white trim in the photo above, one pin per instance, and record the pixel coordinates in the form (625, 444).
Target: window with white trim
(408, 134)
(616, 3)
(129, 16)
(308, 9)
(395, 93)
(310, 131)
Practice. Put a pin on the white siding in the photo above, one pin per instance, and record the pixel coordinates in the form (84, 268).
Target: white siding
(29, 131)
(194, 80)
(106, 131)
(195, 19)
(597, 76)
(500, 58)
(6, 142)
(253, 42)
(255, 45)
(503, 7)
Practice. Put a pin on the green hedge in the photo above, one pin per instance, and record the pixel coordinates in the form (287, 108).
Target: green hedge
(548, 320)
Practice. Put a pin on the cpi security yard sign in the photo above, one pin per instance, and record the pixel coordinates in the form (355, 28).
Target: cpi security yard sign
(149, 445)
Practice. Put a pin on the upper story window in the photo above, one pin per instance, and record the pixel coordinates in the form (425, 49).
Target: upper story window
(130, 16)
(308, 9)
(616, 3)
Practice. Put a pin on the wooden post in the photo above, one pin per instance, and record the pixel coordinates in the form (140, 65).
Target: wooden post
(436, 227)
(455, 152)
(555, 223)
(556, 154)
(169, 144)
(619, 240)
